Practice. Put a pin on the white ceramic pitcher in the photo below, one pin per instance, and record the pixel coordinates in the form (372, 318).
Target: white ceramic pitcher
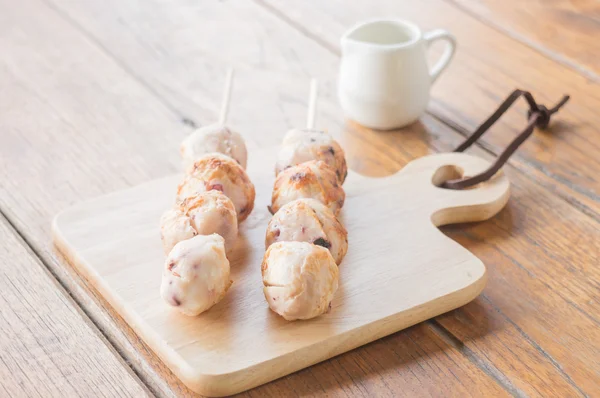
(384, 79)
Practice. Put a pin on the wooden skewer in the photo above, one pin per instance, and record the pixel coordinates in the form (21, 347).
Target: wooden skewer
(226, 97)
(312, 103)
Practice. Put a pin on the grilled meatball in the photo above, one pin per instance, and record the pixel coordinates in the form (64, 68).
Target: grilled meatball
(299, 278)
(308, 220)
(175, 226)
(196, 274)
(210, 139)
(300, 146)
(206, 213)
(313, 179)
(219, 172)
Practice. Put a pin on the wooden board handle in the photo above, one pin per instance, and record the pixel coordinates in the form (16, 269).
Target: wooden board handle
(449, 206)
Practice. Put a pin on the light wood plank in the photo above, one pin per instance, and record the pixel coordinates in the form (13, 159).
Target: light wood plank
(487, 67)
(393, 276)
(97, 129)
(49, 348)
(565, 31)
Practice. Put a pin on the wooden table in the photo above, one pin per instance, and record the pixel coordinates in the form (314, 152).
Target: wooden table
(95, 97)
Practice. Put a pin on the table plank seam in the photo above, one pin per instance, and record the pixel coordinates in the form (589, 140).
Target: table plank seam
(184, 119)
(533, 275)
(62, 289)
(556, 57)
(537, 347)
(531, 341)
(305, 32)
(484, 365)
(27, 327)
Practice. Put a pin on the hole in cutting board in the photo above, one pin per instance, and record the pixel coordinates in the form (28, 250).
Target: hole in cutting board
(446, 173)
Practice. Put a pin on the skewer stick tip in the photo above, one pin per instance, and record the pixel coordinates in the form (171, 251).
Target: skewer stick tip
(312, 103)
(226, 97)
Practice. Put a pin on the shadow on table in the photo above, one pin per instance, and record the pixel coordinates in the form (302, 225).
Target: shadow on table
(417, 356)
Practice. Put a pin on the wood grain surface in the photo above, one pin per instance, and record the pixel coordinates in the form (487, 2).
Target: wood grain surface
(565, 31)
(102, 92)
(48, 348)
(80, 153)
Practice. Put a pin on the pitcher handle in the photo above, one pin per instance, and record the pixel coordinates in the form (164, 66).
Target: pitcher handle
(442, 63)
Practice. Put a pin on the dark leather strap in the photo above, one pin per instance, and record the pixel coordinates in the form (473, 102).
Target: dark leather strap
(539, 116)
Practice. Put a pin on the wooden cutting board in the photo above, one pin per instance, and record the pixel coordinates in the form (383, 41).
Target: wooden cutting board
(399, 270)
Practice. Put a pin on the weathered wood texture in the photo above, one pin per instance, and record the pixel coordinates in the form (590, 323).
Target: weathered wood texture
(47, 347)
(98, 127)
(565, 31)
(526, 249)
(101, 94)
